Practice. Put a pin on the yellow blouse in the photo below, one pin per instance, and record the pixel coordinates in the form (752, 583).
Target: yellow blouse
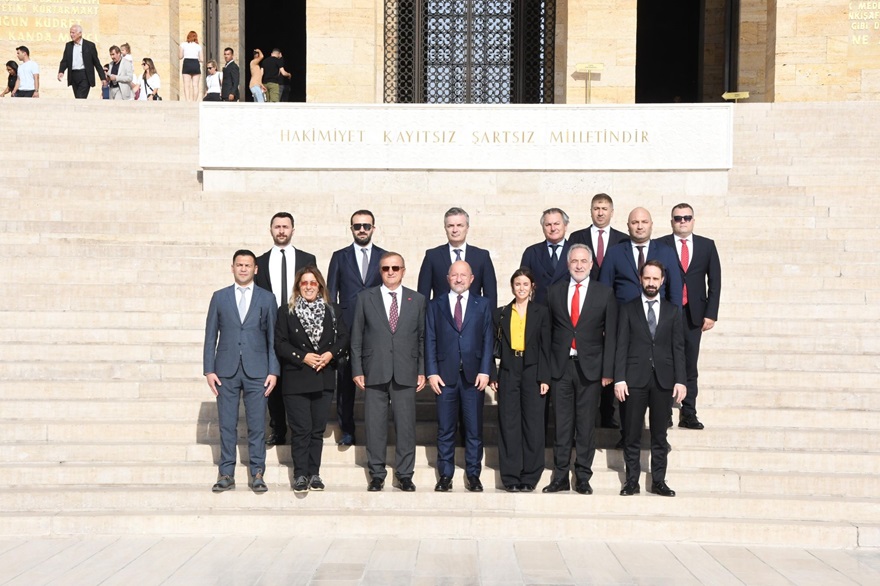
(517, 330)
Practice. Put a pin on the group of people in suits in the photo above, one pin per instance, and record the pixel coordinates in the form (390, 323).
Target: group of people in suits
(594, 318)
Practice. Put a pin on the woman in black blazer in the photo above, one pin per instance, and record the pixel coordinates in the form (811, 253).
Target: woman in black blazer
(522, 385)
(310, 337)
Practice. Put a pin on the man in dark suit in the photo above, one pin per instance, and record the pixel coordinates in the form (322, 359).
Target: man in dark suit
(546, 259)
(700, 269)
(229, 89)
(600, 236)
(239, 362)
(435, 266)
(649, 370)
(583, 317)
(353, 269)
(277, 268)
(388, 363)
(80, 60)
(458, 361)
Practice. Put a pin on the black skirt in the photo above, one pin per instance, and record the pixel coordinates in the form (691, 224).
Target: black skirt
(191, 67)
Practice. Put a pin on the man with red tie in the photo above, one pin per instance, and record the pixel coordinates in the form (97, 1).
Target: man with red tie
(583, 318)
(600, 236)
(700, 270)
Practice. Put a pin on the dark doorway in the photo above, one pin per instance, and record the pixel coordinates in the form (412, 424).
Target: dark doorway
(668, 52)
(281, 24)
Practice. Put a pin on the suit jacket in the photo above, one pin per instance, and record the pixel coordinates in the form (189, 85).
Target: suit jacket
(594, 333)
(448, 351)
(435, 267)
(377, 354)
(264, 280)
(344, 278)
(585, 236)
(124, 75)
(638, 356)
(90, 61)
(292, 343)
(251, 342)
(537, 349)
(537, 258)
(704, 269)
(231, 76)
(619, 271)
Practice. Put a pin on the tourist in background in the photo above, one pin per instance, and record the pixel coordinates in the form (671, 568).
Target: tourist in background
(150, 82)
(523, 344)
(191, 54)
(213, 81)
(27, 82)
(12, 71)
(310, 338)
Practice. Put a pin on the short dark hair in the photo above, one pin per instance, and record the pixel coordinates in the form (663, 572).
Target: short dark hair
(653, 263)
(230, 49)
(244, 252)
(282, 215)
(115, 49)
(602, 197)
(363, 213)
(24, 50)
(681, 206)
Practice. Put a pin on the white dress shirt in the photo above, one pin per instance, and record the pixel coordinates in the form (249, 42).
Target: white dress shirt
(462, 248)
(690, 241)
(453, 298)
(635, 251)
(360, 255)
(275, 271)
(386, 299)
(656, 307)
(77, 64)
(583, 295)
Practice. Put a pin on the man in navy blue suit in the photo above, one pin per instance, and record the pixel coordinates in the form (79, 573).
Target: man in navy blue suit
(435, 266)
(700, 269)
(239, 362)
(600, 236)
(353, 269)
(546, 259)
(620, 271)
(458, 362)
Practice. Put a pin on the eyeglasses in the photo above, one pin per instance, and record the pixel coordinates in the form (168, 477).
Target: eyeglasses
(680, 219)
(359, 227)
(210, 67)
(392, 269)
(308, 283)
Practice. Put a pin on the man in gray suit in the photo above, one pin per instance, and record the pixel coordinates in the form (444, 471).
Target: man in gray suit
(242, 363)
(120, 76)
(388, 362)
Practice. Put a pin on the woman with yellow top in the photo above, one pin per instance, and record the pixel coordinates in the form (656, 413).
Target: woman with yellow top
(523, 331)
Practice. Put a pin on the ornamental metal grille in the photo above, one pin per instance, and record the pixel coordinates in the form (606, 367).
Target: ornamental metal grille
(469, 51)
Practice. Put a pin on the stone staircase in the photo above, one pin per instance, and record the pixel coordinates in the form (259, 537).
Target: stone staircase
(112, 251)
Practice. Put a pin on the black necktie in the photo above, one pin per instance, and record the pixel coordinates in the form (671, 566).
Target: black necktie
(283, 279)
(641, 257)
(554, 255)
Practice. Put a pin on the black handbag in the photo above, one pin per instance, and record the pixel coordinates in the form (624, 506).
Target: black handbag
(156, 97)
(496, 349)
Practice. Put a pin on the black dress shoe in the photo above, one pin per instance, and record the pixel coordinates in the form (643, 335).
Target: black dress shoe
(274, 439)
(583, 487)
(690, 422)
(558, 485)
(347, 439)
(525, 487)
(376, 484)
(511, 488)
(406, 485)
(662, 489)
(301, 484)
(630, 488)
(473, 484)
(444, 484)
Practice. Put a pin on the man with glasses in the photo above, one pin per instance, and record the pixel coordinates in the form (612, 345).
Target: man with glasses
(229, 89)
(700, 269)
(277, 269)
(353, 269)
(388, 363)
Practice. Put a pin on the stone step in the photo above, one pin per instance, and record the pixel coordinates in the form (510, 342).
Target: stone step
(473, 523)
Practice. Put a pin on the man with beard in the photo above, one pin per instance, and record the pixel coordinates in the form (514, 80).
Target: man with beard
(649, 370)
(353, 269)
(276, 269)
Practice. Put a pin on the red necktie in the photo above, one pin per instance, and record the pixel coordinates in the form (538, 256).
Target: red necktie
(600, 249)
(575, 310)
(685, 261)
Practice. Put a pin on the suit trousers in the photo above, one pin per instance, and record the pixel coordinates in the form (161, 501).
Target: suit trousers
(521, 424)
(231, 391)
(307, 414)
(403, 407)
(277, 413)
(638, 401)
(79, 83)
(345, 394)
(693, 334)
(464, 394)
(575, 404)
